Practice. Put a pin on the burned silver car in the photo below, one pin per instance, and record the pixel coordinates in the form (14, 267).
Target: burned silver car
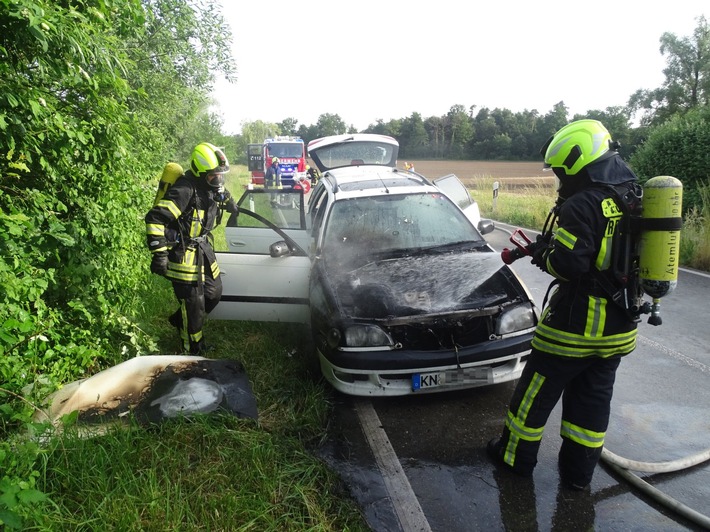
(390, 271)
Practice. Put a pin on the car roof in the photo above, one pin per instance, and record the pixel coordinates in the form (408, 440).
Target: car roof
(358, 181)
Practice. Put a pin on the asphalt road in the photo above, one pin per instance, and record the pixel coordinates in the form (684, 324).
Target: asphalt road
(436, 474)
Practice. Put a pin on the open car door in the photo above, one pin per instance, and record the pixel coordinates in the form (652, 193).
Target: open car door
(459, 194)
(264, 259)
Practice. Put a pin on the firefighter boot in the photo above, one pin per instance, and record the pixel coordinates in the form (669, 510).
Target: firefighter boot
(175, 319)
(576, 464)
(495, 451)
(201, 348)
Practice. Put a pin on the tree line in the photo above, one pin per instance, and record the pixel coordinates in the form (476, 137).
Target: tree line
(473, 133)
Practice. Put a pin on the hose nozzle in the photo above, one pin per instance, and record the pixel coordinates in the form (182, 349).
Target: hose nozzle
(523, 246)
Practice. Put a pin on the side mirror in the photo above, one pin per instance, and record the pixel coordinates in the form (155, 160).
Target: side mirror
(279, 249)
(485, 226)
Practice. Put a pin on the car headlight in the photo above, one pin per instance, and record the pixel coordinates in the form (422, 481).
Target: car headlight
(515, 319)
(366, 336)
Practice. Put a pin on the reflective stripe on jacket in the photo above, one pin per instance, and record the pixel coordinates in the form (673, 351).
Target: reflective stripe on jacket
(180, 224)
(580, 320)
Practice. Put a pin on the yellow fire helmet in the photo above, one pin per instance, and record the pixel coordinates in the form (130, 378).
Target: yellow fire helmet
(577, 145)
(206, 158)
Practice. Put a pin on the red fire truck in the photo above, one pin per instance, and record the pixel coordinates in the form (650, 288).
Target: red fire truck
(291, 152)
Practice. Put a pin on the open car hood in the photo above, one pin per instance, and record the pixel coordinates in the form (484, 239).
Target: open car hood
(358, 149)
(429, 284)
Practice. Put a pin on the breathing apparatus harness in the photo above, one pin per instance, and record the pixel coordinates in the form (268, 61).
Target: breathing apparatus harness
(621, 282)
(203, 242)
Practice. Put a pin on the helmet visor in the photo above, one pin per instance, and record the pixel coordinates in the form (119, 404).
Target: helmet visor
(215, 179)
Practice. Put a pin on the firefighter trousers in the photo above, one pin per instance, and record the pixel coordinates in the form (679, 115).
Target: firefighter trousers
(586, 385)
(195, 302)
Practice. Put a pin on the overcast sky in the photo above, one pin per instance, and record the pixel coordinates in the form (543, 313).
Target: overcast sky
(366, 60)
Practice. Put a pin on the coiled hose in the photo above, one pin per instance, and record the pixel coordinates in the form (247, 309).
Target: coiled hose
(623, 465)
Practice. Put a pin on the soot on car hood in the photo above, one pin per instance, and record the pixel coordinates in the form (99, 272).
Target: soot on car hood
(429, 284)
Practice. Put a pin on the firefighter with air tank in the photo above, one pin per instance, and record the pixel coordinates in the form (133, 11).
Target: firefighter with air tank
(187, 207)
(590, 245)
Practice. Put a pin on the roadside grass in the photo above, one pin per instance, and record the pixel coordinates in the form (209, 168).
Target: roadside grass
(523, 206)
(695, 238)
(209, 472)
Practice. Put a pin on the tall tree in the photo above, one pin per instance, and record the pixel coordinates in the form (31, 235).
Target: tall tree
(414, 139)
(173, 61)
(687, 72)
(486, 129)
(289, 126)
(257, 131)
(460, 131)
(330, 124)
(434, 126)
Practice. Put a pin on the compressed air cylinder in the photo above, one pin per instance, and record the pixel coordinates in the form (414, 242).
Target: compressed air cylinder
(171, 173)
(659, 248)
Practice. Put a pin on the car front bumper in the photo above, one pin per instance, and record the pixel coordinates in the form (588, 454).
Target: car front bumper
(401, 372)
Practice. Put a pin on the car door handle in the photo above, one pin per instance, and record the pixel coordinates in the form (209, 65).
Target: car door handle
(237, 243)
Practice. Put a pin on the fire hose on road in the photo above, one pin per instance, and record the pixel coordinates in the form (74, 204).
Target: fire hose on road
(623, 466)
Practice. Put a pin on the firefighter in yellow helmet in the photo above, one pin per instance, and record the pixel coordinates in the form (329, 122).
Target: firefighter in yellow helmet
(178, 231)
(272, 178)
(313, 174)
(583, 333)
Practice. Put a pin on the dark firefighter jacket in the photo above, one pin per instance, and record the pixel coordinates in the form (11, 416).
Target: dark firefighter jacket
(273, 174)
(581, 319)
(180, 225)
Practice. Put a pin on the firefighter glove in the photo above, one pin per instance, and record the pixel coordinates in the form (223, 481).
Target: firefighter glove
(539, 257)
(539, 250)
(159, 264)
(231, 206)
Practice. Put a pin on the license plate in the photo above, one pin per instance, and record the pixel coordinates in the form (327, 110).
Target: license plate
(422, 381)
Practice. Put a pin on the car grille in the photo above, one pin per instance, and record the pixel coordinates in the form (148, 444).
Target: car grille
(445, 335)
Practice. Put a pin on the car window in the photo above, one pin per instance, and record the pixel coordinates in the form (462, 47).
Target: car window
(314, 200)
(394, 222)
(318, 208)
(264, 217)
(455, 189)
(283, 208)
(355, 153)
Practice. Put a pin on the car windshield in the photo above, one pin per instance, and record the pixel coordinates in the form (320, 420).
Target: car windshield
(355, 154)
(409, 223)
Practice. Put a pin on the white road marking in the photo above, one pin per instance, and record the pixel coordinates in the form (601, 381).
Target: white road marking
(409, 512)
(674, 354)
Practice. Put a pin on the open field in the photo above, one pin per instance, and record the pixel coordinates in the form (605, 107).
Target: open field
(510, 174)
